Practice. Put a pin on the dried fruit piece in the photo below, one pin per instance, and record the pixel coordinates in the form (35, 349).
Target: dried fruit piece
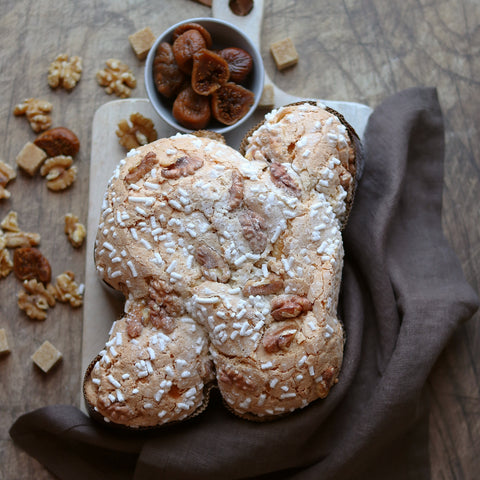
(138, 171)
(210, 71)
(231, 102)
(29, 263)
(282, 179)
(191, 110)
(167, 76)
(253, 229)
(285, 307)
(280, 339)
(117, 78)
(65, 72)
(36, 111)
(58, 141)
(240, 63)
(67, 290)
(185, 46)
(182, 167)
(36, 299)
(241, 7)
(74, 230)
(213, 265)
(139, 132)
(181, 29)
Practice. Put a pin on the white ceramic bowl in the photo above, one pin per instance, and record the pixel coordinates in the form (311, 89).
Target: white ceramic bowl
(224, 34)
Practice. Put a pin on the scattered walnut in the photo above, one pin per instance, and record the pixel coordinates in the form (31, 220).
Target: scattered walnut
(282, 179)
(253, 227)
(213, 265)
(117, 78)
(138, 171)
(182, 167)
(21, 239)
(268, 286)
(6, 264)
(279, 339)
(10, 222)
(65, 72)
(59, 172)
(7, 173)
(236, 190)
(74, 230)
(36, 111)
(67, 290)
(140, 131)
(29, 262)
(284, 307)
(36, 299)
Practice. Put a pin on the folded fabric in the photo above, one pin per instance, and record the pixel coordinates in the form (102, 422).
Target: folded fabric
(403, 294)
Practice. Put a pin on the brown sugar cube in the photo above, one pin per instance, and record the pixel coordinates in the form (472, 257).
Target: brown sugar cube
(4, 348)
(141, 42)
(284, 53)
(46, 356)
(31, 158)
(268, 96)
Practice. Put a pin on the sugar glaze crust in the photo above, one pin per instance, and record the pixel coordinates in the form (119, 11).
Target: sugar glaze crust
(231, 268)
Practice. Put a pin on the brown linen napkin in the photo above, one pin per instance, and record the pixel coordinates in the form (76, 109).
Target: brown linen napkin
(403, 295)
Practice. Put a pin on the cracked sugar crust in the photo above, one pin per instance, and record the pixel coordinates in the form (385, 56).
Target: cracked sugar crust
(205, 239)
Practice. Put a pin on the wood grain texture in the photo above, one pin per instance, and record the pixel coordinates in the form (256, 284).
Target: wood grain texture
(353, 50)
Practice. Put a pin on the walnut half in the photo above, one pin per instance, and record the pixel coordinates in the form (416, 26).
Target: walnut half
(65, 72)
(117, 78)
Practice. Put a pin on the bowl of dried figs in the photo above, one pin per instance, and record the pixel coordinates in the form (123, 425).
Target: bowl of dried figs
(204, 74)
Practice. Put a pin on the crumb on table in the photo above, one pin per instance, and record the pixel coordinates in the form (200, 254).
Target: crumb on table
(46, 356)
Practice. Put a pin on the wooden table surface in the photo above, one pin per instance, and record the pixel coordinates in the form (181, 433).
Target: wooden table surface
(349, 50)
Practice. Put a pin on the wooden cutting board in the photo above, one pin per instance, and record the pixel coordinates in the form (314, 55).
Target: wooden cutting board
(102, 306)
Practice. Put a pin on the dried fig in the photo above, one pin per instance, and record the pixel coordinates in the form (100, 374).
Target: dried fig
(191, 110)
(181, 29)
(58, 141)
(29, 263)
(210, 71)
(167, 76)
(231, 102)
(239, 62)
(184, 48)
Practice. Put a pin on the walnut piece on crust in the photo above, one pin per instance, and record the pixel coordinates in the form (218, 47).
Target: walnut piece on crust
(117, 78)
(59, 172)
(36, 111)
(67, 290)
(36, 299)
(7, 173)
(74, 230)
(65, 72)
(139, 131)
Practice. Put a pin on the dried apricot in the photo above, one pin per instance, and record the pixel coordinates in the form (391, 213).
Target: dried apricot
(239, 62)
(210, 72)
(193, 26)
(29, 263)
(191, 110)
(184, 48)
(231, 102)
(167, 76)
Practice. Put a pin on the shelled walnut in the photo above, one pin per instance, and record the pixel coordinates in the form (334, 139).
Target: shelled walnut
(117, 78)
(74, 230)
(7, 173)
(139, 131)
(36, 299)
(36, 111)
(65, 72)
(59, 172)
(67, 290)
